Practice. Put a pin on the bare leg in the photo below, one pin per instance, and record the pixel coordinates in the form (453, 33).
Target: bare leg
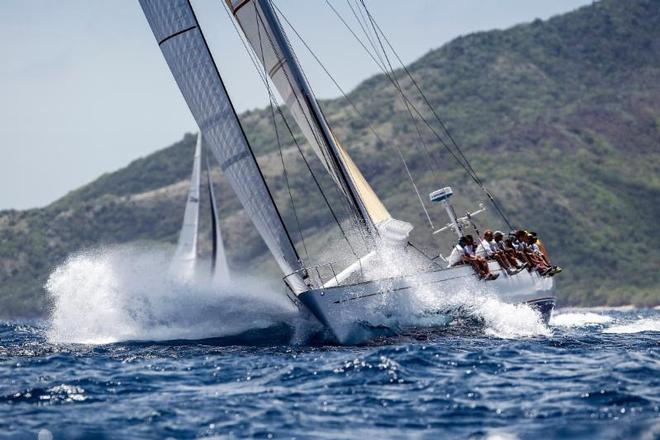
(504, 262)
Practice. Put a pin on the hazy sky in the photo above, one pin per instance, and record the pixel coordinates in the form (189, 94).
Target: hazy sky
(84, 89)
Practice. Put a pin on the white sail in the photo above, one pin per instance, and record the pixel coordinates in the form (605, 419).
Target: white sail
(187, 245)
(184, 47)
(185, 256)
(263, 30)
(219, 266)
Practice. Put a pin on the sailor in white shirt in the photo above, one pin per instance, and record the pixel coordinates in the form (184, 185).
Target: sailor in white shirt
(458, 253)
(485, 249)
(489, 249)
(479, 264)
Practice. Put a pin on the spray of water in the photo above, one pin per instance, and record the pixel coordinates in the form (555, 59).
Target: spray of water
(638, 326)
(475, 301)
(577, 319)
(471, 300)
(125, 293)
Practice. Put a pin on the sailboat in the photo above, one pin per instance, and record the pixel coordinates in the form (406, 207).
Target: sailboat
(355, 300)
(186, 257)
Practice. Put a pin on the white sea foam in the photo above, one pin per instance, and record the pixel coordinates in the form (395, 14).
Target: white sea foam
(472, 299)
(124, 293)
(500, 319)
(510, 321)
(574, 319)
(641, 325)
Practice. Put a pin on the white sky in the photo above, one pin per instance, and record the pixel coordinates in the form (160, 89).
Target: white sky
(84, 89)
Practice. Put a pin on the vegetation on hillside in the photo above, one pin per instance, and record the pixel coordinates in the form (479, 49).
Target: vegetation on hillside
(561, 118)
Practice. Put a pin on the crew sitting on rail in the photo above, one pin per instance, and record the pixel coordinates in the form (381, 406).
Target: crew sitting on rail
(490, 250)
(506, 247)
(513, 247)
(531, 253)
(464, 253)
(537, 247)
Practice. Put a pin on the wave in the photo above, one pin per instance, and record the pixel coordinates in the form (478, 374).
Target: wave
(124, 293)
(573, 319)
(639, 326)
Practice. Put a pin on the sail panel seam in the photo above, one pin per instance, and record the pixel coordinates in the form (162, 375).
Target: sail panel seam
(176, 34)
(233, 160)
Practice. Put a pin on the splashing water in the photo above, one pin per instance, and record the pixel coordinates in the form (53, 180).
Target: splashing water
(472, 300)
(571, 319)
(499, 319)
(124, 293)
(639, 326)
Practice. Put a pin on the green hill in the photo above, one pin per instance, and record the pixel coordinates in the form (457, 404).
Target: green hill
(561, 118)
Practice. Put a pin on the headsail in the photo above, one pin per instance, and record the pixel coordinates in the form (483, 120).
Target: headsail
(219, 266)
(264, 32)
(185, 256)
(184, 47)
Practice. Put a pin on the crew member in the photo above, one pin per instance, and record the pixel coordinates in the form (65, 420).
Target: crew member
(489, 249)
(479, 264)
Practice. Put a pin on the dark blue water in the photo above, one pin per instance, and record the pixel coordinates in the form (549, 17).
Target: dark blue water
(593, 374)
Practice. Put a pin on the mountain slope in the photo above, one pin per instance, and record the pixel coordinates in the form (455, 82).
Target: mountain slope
(560, 117)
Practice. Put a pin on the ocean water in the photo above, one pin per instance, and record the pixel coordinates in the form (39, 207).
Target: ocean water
(128, 355)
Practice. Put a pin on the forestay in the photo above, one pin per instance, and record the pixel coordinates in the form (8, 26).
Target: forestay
(184, 47)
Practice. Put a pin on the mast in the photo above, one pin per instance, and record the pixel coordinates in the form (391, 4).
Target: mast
(187, 54)
(265, 34)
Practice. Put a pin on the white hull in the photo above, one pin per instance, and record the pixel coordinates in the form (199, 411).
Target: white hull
(358, 312)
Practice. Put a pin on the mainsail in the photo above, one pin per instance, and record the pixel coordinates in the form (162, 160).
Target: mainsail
(185, 255)
(264, 32)
(184, 47)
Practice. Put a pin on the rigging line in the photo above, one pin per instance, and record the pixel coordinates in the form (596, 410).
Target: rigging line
(468, 169)
(357, 111)
(421, 93)
(430, 127)
(378, 29)
(419, 133)
(279, 144)
(302, 155)
(390, 74)
(365, 28)
(394, 80)
(366, 32)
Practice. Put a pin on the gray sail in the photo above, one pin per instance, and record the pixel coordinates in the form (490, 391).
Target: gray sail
(219, 266)
(184, 47)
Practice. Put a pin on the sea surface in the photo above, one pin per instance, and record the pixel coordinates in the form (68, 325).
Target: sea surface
(127, 353)
(593, 374)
